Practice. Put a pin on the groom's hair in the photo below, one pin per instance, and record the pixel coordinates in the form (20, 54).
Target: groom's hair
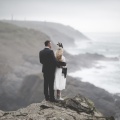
(47, 42)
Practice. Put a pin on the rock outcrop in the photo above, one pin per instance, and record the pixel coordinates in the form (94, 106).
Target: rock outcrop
(77, 108)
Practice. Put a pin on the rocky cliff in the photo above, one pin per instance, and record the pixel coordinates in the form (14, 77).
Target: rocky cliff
(21, 82)
(76, 108)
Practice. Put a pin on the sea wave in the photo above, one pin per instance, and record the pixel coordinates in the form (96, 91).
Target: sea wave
(104, 75)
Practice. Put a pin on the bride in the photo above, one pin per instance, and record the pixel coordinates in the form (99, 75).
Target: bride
(60, 73)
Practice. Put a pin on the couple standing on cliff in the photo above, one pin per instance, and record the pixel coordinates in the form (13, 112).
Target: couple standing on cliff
(54, 71)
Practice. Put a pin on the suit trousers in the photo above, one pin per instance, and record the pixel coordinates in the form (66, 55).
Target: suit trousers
(49, 85)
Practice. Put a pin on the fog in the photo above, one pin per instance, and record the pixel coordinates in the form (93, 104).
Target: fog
(84, 15)
(84, 27)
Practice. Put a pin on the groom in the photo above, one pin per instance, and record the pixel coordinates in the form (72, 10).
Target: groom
(49, 62)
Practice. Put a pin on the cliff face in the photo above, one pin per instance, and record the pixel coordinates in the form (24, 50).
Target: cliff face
(57, 32)
(77, 108)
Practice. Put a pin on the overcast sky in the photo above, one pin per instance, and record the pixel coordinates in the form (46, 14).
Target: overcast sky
(84, 15)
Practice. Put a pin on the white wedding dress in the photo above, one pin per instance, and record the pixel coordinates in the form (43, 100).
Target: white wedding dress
(60, 80)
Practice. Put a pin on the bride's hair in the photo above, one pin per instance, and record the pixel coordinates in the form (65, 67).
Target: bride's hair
(59, 54)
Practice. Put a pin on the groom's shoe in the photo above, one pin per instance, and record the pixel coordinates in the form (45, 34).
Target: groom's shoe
(53, 100)
(47, 98)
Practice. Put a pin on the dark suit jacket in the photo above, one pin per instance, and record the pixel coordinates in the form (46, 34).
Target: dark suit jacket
(48, 60)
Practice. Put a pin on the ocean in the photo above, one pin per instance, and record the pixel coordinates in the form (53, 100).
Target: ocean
(106, 74)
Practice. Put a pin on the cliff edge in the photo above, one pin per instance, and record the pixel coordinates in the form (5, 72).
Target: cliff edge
(77, 108)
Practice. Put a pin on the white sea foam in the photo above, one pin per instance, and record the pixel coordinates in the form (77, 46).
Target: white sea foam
(104, 75)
